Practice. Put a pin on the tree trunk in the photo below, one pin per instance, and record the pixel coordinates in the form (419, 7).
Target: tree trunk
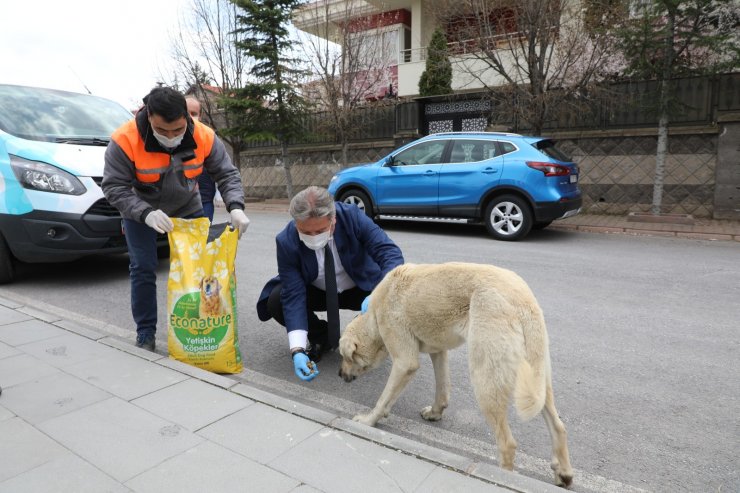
(286, 167)
(660, 157)
(665, 96)
(236, 157)
(345, 148)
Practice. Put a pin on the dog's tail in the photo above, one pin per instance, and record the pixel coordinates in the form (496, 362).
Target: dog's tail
(534, 369)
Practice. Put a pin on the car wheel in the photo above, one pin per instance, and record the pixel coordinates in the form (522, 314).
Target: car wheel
(7, 269)
(541, 225)
(359, 199)
(508, 218)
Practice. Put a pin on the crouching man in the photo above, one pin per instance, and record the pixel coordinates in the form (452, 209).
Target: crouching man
(330, 256)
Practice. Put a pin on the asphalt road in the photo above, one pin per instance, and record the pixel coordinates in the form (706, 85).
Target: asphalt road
(643, 332)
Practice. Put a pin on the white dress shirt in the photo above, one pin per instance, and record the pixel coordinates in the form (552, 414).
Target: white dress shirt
(299, 338)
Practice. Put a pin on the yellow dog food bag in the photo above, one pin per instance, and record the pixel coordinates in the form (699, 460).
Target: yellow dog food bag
(201, 297)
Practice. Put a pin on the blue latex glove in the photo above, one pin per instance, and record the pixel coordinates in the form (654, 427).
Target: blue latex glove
(365, 304)
(302, 371)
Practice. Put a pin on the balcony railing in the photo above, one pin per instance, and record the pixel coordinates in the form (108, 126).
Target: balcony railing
(465, 46)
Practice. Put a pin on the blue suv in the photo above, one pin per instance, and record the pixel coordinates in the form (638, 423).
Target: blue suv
(511, 183)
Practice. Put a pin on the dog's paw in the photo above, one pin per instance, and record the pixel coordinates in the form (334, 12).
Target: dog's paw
(564, 480)
(365, 419)
(430, 415)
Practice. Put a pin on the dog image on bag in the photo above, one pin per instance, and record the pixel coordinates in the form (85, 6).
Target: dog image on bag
(434, 308)
(211, 303)
(201, 296)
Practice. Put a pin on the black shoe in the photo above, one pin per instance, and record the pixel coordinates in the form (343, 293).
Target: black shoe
(314, 351)
(146, 342)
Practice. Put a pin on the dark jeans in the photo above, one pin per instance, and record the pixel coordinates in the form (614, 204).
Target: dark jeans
(208, 210)
(350, 299)
(143, 262)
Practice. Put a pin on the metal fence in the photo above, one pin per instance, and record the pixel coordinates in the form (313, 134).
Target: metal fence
(696, 101)
(368, 122)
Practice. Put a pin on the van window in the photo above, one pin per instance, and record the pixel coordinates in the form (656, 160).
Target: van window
(57, 116)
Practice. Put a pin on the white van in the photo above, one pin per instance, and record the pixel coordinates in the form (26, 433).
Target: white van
(52, 145)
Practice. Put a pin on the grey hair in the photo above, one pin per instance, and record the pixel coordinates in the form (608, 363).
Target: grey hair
(312, 202)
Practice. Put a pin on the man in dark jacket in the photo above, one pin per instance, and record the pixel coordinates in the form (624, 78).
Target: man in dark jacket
(362, 252)
(206, 185)
(152, 165)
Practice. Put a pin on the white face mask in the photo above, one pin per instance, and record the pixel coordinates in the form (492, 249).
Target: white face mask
(167, 142)
(316, 242)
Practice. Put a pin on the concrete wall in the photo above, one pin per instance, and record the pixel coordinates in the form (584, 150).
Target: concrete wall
(727, 187)
(264, 178)
(617, 168)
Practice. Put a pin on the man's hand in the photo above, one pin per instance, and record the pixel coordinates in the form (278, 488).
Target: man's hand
(305, 369)
(239, 221)
(365, 304)
(159, 221)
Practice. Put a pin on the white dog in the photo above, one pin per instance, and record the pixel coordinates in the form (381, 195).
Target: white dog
(433, 308)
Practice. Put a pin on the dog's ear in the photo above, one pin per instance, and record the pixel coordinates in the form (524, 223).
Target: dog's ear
(201, 282)
(347, 349)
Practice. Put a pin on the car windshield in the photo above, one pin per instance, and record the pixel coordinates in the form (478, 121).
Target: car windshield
(58, 116)
(547, 146)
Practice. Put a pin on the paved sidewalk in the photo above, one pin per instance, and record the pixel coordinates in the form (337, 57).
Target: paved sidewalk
(701, 229)
(85, 411)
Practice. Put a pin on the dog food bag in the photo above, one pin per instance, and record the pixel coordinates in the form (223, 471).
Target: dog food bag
(201, 297)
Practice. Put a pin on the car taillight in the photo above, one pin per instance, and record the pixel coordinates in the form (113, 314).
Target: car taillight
(549, 169)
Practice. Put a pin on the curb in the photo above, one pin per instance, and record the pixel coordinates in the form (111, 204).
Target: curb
(681, 231)
(483, 471)
(645, 232)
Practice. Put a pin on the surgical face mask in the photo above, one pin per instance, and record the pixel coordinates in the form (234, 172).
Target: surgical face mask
(316, 242)
(167, 142)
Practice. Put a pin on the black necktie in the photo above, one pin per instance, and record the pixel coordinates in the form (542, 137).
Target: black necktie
(332, 298)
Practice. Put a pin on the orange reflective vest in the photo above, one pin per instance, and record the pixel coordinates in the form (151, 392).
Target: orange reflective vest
(150, 165)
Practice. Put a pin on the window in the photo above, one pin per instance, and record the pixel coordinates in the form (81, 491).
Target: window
(548, 147)
(51, 115)
(507, 147)
(424, 153)
(470, 151)
(378, 47)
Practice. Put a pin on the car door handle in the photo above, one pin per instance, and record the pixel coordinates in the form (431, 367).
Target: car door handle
(489, 171)
(430, 172)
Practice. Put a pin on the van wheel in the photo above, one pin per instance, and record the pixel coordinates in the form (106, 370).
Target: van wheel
(7, 261)
(359, 199)
(508, 218)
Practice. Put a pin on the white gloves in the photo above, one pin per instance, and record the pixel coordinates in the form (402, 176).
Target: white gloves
(159, 221)
(239, 221)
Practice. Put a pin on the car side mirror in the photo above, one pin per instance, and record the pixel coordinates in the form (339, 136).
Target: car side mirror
(389, 161)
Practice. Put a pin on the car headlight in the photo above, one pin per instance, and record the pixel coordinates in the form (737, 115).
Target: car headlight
(334, 178)
(45, 177)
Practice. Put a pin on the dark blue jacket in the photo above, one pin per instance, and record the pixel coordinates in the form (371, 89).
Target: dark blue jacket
(366, 253)
(207, 187)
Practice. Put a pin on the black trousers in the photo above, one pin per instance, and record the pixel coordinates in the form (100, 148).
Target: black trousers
(350, 299)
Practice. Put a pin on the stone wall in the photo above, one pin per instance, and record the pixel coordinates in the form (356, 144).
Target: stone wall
(264, 178)
(617, 170)
(702, 175)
